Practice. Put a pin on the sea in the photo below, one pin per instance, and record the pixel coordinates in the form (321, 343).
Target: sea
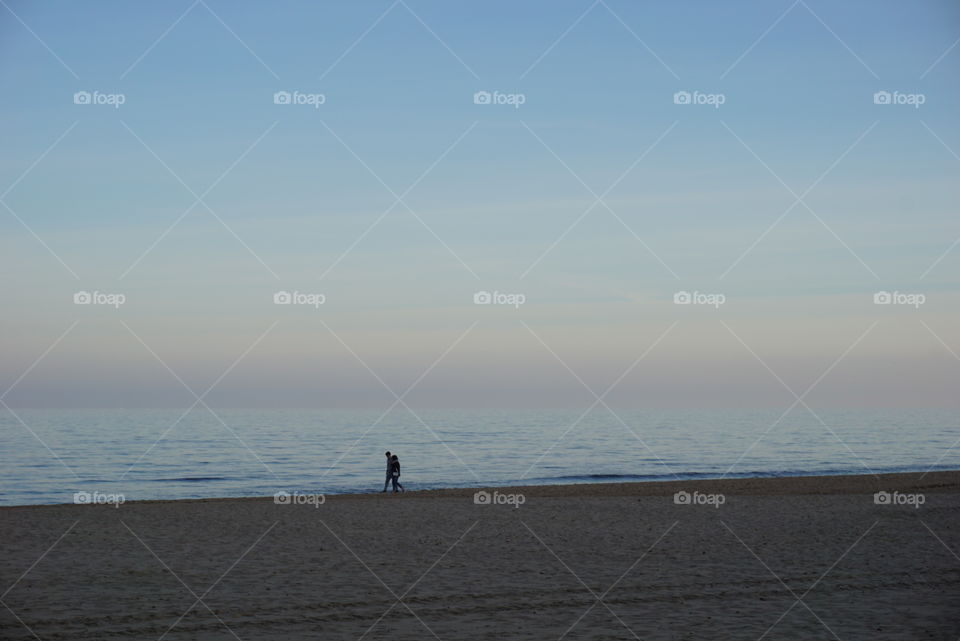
(63, 456)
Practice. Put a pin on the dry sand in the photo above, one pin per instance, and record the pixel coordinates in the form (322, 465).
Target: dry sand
(799, 558)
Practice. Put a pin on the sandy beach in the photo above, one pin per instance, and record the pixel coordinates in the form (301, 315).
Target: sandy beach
(794, 558)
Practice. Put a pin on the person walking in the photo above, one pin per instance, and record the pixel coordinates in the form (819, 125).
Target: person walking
(389, 474)
(395, 473)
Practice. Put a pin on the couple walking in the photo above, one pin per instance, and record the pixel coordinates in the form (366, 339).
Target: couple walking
(393, 473)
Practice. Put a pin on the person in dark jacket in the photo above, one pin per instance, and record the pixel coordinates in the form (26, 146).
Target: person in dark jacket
(388, 475)
(395, 473)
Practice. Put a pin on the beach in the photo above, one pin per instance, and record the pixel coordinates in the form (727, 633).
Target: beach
(651, 307)
(779, 558)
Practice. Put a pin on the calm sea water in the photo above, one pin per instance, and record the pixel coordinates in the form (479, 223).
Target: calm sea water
(138, 454)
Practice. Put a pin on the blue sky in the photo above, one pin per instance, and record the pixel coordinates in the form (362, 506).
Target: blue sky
(700, 202)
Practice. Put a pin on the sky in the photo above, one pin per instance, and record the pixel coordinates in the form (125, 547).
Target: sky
(582, 162)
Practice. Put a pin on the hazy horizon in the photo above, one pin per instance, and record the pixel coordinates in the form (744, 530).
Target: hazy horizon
(598, 189)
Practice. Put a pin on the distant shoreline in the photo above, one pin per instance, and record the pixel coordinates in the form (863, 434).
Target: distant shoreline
(941, 481)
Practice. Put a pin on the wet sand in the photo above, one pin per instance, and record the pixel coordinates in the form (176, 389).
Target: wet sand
(788, 558)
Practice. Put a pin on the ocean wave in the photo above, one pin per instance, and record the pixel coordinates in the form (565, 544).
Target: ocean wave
(193, 479)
